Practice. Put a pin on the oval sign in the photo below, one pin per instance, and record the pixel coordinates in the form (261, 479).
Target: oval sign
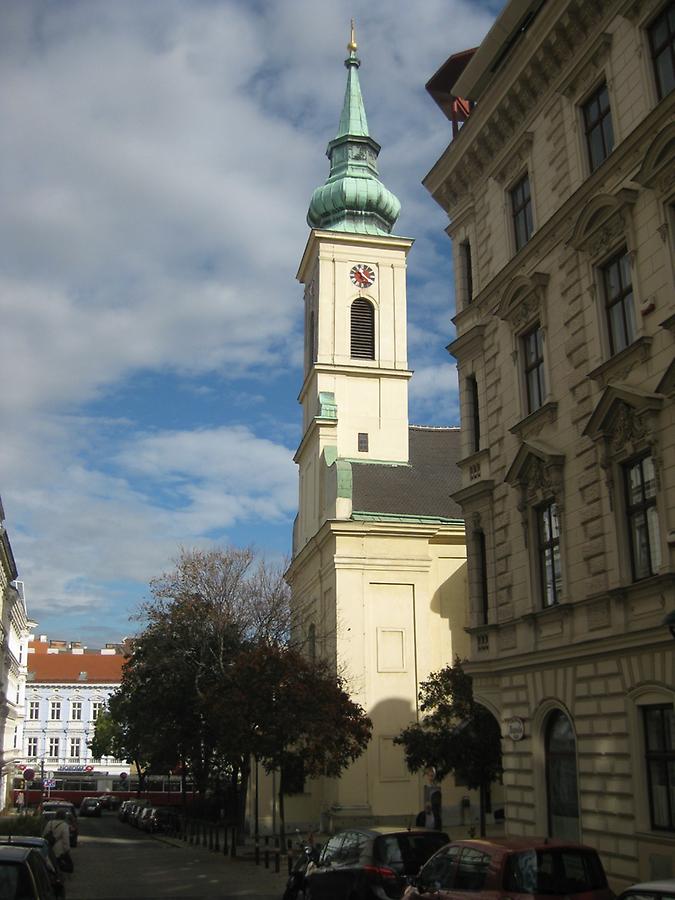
(515, 728)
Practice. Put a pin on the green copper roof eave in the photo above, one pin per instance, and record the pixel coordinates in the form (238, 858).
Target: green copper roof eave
(361, 516)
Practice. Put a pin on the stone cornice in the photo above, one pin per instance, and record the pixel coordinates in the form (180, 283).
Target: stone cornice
(502, 112)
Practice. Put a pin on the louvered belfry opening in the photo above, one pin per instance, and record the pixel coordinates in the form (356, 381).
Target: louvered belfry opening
(363, 330)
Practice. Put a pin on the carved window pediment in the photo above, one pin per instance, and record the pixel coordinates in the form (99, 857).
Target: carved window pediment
(523, 299)
(667, 384)
(624, 420)
(658, 167)
(538, 470)
(604, 222)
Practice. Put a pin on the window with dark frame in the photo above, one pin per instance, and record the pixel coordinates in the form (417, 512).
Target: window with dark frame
(533, 355)
(55, 709)
(468, 270)
(619, 305)
(548, 548)
(362, 442)
(362, 329)
(642, 517)
(32, 747)
(662, 46)
(598, 127)
(521, 211)
(34, 709)
(472, 389)
(659, 729)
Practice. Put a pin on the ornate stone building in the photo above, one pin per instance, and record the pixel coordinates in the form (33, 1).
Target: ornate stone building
(560, 188)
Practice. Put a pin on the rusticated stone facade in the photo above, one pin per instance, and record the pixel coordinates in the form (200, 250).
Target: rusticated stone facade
(567, 378)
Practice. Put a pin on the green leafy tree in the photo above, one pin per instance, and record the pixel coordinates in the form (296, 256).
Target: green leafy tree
(296, 704)
(455, 734)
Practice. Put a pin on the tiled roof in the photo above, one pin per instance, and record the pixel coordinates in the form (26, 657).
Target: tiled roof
(65, 667)
(421, 489)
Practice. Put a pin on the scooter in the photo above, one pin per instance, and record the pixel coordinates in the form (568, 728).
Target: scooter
(295, 886)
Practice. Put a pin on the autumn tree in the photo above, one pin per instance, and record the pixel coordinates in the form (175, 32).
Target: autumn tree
(455, 734)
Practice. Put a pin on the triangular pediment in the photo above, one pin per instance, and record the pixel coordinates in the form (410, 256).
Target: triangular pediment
(532, 455)
(617, 409)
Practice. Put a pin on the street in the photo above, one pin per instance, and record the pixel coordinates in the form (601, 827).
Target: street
(114, 860)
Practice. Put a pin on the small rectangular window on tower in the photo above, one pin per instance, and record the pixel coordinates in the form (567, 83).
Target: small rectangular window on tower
(363, 442)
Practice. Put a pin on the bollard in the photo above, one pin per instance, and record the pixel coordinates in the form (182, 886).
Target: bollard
(256, 852)
(191, 832)
(233, 851)
(205, 829)
(216, 840)
(277, 861)
(267, 858)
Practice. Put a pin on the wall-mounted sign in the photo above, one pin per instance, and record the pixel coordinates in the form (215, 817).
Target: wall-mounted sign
(515, 728)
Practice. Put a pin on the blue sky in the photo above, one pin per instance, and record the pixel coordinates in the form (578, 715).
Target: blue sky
(158, 157)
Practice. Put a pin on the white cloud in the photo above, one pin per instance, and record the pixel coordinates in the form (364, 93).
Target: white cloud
(158, 159)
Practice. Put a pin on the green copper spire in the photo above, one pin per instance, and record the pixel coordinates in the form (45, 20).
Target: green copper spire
(353, 198)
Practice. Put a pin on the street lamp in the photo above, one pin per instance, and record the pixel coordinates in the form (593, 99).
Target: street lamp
(669, 622)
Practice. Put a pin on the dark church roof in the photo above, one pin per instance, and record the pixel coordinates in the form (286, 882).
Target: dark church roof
(419, 490)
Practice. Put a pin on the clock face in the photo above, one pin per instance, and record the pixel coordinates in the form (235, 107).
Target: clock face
(362, 275)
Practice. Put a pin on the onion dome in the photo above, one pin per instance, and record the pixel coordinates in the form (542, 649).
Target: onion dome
(353, 198)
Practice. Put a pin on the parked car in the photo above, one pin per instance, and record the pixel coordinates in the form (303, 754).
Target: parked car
(24, 874)
(47, 854)
(109, 801)
(161, 819)
(369, 863)
(136, 810)
(49, 808)
(91, 806)
(530, 867)
(142, 818)
(124, 809)
(650, 890)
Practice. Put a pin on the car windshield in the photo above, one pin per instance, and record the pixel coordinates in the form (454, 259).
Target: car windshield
(405, 853)
(555, 871)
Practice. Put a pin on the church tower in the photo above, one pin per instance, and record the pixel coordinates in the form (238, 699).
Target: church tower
(355, 391)
(377, 575)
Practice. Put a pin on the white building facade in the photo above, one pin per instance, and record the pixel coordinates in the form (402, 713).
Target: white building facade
(67, 689)
(14, 632)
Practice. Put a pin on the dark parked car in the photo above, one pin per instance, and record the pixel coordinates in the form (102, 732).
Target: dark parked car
(529, 867)
(650, 890)
(47, 854)
(161, 819)
(124, 810)
(135, 812)
(49, 808)
(91, 806)
(24, 875)
(370, 863)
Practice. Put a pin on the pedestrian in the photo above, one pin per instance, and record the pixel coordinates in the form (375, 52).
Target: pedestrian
(20, 802)
(426, 818)
(57, 834)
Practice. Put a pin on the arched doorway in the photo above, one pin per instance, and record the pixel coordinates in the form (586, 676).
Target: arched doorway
(561, 777)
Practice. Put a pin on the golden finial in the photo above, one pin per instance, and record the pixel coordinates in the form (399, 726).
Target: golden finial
(352, 45)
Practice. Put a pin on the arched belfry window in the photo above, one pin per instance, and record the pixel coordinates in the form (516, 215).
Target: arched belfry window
(561, 778)
(362, 329)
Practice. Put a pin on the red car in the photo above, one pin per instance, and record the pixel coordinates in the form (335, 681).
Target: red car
(526, 868)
